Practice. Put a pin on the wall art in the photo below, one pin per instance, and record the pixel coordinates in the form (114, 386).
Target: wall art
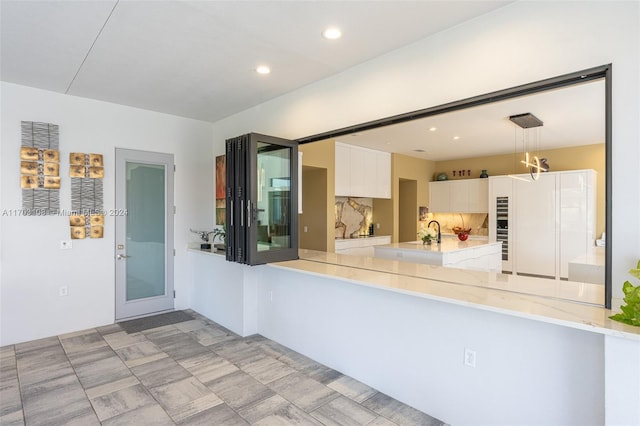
(87, 173)
(221, 189)
(40, 168)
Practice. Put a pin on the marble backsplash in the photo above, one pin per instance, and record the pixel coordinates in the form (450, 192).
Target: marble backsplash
(353, 216)
(478, 222)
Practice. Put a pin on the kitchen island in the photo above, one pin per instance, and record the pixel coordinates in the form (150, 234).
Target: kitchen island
(471, 254)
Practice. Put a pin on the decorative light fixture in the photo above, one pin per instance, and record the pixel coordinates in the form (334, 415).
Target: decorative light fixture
(531, 130)
(332, 33)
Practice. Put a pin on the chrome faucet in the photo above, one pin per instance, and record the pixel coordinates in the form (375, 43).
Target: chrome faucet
(437, 223)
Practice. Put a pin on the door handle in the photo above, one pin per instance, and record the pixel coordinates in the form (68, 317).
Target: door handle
(121, 256)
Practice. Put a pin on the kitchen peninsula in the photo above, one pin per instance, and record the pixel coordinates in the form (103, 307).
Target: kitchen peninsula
(472, 254)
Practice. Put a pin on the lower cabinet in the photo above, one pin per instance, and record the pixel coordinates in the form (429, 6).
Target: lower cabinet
(360, 246)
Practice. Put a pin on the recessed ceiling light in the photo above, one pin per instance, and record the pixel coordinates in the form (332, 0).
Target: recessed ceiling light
(433, 129)
(455, 138)
(332, 33)
(263, 69)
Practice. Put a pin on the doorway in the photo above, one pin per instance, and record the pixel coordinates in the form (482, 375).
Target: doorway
(407, 210)
(144, 233)
(313, 220)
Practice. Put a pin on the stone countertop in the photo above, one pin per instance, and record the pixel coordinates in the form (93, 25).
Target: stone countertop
(446, 245)
(569, 304)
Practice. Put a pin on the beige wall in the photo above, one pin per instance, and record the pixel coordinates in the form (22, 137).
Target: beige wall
(318, 155)
(407, 210)
(314, 209)
(576, 158)
(387, 212)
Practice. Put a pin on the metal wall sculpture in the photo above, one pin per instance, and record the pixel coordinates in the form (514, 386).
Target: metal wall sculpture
(87, 172)
(40, 169)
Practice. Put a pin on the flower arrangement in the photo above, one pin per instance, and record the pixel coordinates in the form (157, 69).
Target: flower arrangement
(427, 234)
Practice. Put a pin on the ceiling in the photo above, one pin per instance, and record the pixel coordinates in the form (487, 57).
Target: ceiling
(572, 116)
(197, 59)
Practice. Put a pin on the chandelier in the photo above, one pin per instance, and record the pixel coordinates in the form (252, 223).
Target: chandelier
(531, 127)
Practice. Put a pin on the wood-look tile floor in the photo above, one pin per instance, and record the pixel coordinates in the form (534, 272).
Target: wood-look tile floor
(190, 373)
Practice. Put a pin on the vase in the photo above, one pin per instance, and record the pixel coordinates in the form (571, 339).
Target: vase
(484, 174)
(426, 241)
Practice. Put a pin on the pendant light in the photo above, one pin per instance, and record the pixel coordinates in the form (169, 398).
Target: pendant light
(531, 130)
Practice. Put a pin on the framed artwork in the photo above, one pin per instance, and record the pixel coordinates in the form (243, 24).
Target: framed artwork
(221, 189)
(423, 212)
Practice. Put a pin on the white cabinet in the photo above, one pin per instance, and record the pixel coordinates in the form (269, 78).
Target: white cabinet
(577, 217)
(439, 200)
(478, 195)
(459, 196)
(536, 226)
(550, 221)
(342, 173)
(360, 246)
(362, 172)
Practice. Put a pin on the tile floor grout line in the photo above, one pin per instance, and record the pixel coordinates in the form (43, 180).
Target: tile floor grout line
(146, 389)
(24, 414)
(75, 372)
(246, 351)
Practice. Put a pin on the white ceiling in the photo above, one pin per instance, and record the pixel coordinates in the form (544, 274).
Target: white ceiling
(197, 58)
(572, 116)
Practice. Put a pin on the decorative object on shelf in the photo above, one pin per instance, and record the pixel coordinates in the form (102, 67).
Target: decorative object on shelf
(204, 236)
(222, 233)
(427, 235)
(631, 311)
(40, 168)
(443, 176)
(484, 174)
(87, 172)
(531, 135)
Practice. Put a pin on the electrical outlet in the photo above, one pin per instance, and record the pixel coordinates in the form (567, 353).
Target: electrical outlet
(65, 245)
(470, 357)
(64, 291)
(377, 226)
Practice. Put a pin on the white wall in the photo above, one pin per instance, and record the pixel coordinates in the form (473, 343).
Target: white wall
(520, 43)
(527, 372)
(32, 265)
(225, 292)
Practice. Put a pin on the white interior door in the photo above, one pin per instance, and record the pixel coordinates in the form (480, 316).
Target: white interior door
(144, 233)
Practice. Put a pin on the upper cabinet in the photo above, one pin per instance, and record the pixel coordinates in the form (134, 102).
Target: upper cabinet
(459, 196)
(362, 172)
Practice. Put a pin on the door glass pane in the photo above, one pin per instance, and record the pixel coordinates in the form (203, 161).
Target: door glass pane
(274, 195)
(145, 230)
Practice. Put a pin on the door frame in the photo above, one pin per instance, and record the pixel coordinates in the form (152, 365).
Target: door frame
(142, 307)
